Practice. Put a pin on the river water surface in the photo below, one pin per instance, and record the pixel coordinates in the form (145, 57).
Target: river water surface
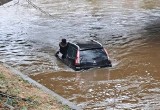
(129, 29)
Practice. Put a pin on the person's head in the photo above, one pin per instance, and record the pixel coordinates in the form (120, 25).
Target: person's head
(64, 41)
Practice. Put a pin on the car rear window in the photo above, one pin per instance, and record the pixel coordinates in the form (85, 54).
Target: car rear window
(92, 55)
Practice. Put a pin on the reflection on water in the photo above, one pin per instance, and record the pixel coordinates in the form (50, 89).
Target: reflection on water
(128, 29)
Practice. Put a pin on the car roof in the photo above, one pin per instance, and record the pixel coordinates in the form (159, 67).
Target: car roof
(90, 44)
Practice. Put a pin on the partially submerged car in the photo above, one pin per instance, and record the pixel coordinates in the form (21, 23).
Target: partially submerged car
(86, 55)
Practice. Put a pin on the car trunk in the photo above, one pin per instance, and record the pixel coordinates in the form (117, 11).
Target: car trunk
(93, 58)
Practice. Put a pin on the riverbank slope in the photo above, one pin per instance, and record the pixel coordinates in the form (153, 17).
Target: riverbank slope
(16, 93)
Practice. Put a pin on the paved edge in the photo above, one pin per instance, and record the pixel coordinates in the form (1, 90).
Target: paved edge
(43, 88)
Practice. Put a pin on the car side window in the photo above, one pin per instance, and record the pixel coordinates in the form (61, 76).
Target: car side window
(72, 51)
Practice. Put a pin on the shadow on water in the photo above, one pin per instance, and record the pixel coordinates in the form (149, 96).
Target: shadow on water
(152, 33)
(4, 1)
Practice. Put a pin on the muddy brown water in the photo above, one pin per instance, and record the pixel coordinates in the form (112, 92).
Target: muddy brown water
(129, 30)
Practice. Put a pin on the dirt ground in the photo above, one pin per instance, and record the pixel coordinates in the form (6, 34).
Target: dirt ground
(17, 94)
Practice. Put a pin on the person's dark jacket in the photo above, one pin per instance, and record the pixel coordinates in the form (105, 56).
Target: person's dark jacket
(63, 48)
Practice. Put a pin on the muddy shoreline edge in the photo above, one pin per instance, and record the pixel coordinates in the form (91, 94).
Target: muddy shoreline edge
(59, 98)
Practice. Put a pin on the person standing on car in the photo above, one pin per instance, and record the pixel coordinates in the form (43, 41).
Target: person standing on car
(63, 48)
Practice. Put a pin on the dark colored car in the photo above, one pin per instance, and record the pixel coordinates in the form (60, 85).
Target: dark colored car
(86, 55)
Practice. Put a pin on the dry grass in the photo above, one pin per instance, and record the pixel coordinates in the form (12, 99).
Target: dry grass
(17, 93)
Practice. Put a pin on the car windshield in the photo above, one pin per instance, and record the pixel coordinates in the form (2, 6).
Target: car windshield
(93, 55)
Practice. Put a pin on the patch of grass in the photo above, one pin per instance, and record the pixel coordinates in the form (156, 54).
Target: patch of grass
(22, 80)
(2, 77)
(2, 80)
(15, 91)
(65, 107)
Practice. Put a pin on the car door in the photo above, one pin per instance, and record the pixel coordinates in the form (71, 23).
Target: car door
(71, 55)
